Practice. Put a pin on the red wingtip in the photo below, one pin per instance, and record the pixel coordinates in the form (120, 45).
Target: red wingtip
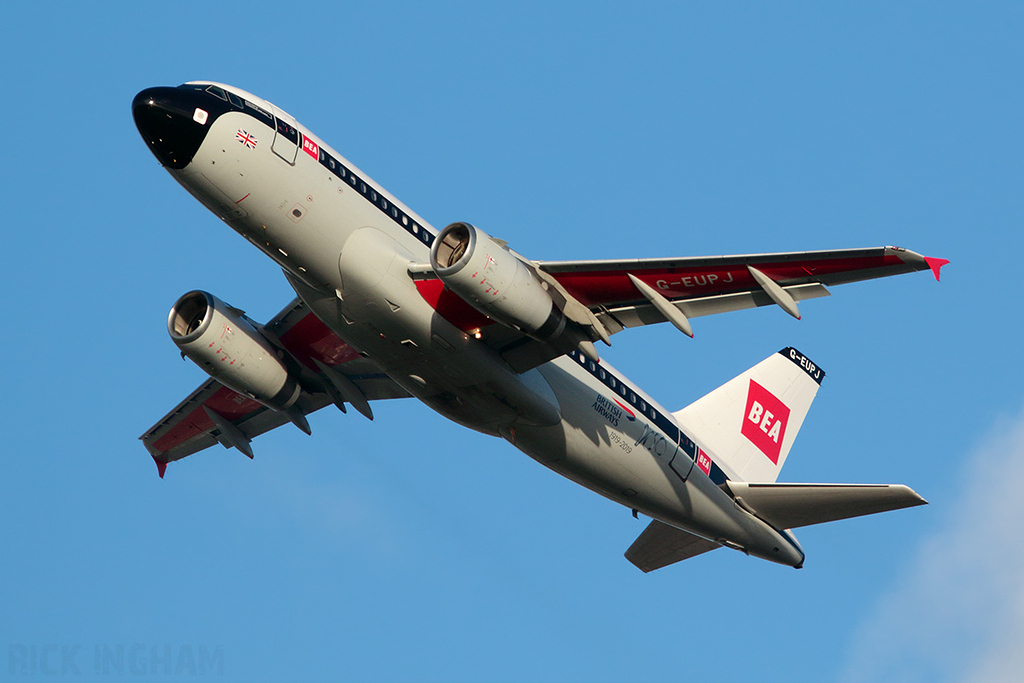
(161, 467)
(936, 265)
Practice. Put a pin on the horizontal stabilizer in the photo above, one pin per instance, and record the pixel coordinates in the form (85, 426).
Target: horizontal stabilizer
(661, 545)
(788, 506)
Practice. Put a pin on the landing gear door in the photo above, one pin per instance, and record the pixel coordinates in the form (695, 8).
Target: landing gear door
(286, 139)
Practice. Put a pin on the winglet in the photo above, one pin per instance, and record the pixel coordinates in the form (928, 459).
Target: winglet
(935, 264)
(161, 467)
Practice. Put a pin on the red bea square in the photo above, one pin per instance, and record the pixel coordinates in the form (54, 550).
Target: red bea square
(764, 421)
(703, 462)
(311, 148)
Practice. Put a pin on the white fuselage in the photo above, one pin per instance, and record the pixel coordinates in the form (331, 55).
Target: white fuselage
(347, 246)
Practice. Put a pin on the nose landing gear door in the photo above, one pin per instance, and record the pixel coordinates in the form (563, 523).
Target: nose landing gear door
(286, 139)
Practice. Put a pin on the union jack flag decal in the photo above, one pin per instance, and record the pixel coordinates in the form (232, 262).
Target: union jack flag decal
(246, 138)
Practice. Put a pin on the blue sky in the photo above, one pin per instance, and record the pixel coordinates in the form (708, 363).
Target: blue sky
(411, 549)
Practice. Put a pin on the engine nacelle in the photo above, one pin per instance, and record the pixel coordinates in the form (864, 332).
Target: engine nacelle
(494, 281)
(226, 345)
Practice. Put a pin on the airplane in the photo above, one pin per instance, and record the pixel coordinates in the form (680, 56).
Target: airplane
(387, 307)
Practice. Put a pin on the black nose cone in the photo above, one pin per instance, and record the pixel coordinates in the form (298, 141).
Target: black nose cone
(173, 122)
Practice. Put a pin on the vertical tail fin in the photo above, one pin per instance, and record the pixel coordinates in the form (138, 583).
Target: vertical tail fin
(748, 424)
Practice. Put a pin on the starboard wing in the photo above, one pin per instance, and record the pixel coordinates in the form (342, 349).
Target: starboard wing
(701, 286)
(635, 292)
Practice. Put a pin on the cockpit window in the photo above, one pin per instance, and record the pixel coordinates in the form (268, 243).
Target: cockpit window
(236, 100)
(217, 91)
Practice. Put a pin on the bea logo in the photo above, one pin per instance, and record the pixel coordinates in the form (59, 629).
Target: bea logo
(764, 421)
(703, 462)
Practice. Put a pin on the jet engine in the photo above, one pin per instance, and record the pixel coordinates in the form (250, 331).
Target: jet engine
(494, 281)
(228, 347)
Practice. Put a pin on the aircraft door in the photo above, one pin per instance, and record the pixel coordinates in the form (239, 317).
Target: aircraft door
(681, 463)
(286, 139)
